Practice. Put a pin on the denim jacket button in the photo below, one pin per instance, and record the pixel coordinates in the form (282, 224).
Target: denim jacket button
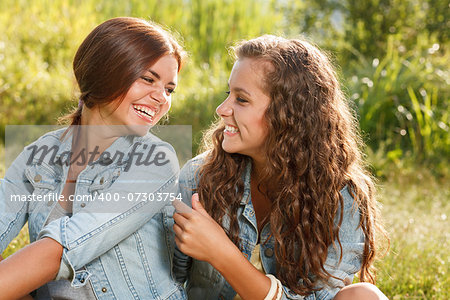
(102, 180)
(37, 178)
(104, 290)
(268, 252)
(83, 205)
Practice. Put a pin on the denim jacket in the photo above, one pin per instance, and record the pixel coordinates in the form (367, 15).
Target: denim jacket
(124, 245)
(204, 282)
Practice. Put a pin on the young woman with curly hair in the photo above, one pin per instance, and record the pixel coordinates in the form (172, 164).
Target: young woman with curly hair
(283, 175)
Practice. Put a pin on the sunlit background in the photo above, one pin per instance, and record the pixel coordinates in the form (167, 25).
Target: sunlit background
(393, 62)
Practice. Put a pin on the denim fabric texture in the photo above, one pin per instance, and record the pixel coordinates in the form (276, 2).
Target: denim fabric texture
(202, 281)
(124, 248)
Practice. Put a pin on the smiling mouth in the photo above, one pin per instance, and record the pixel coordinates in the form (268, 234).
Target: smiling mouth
(231, 129)
(144, 112)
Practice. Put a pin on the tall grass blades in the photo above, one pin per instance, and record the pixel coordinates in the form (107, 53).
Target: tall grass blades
(402, 99)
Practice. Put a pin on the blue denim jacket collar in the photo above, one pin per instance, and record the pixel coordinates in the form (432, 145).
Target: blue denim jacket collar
(247, 178)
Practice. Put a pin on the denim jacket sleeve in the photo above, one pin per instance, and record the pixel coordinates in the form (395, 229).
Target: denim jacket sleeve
(352, 240)
(187, 183)
(87, 235)
(13, 213)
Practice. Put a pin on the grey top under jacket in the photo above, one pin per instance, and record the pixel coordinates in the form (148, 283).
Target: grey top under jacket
(61, 289)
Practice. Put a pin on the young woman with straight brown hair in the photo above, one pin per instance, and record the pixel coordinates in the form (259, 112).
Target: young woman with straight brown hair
(126, 70)
(285, 206)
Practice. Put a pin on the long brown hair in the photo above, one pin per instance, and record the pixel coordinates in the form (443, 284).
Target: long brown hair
(313, 148)
(113, 56)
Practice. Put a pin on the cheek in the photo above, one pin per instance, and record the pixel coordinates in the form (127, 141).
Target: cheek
(262, 127)
(165, 108)
(136, 92)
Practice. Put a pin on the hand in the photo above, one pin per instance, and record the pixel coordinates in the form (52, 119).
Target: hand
(198, 235)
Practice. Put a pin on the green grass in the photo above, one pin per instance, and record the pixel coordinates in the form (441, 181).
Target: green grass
(416, 210)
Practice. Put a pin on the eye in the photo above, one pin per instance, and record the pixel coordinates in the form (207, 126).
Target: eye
(170, 91)
(241, 100)
(148, 79)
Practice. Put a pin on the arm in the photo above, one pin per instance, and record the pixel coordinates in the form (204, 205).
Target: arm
(29, 268)
(13, 211)
(352, 241)
(16, 269)
(199, 236)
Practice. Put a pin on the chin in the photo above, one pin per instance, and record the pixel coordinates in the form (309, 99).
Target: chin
(229, 148)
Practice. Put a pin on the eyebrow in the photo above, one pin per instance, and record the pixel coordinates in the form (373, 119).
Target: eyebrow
(242, 90)
(159, 77)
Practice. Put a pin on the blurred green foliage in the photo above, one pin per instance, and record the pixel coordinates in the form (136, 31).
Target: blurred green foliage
(393, 58)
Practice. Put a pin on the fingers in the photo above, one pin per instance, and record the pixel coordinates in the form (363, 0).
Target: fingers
(178, 231)
(179, 239)
(197, 206)
(195, 202)
(181, 207)
(180, 220)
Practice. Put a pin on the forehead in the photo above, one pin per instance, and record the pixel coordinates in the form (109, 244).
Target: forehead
(166, 68)
(249, 72)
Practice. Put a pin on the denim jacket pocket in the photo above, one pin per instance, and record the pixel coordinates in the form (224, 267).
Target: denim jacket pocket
(105, 179)
(42, 178)
(43, 181)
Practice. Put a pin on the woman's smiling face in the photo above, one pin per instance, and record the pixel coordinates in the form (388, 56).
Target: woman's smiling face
(243, 111)
(149, 97)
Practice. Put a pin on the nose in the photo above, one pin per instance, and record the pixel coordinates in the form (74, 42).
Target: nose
(159, 94)
(224, 109)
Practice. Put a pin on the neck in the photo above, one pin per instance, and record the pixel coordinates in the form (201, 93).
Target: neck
(93, 132)
(257, 168)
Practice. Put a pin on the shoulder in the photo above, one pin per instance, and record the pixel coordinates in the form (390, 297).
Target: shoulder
(151, 151)
(347, 196)
(192, 166)
(50, 138)
(349, 227)
(150, 140)
(48, 142)
(23, 156)
(189, 172)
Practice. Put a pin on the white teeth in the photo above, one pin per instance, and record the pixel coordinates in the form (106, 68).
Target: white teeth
(145, 109)
(231, 129)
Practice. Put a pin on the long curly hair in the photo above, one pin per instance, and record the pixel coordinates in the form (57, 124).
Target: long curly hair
(313, 148)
